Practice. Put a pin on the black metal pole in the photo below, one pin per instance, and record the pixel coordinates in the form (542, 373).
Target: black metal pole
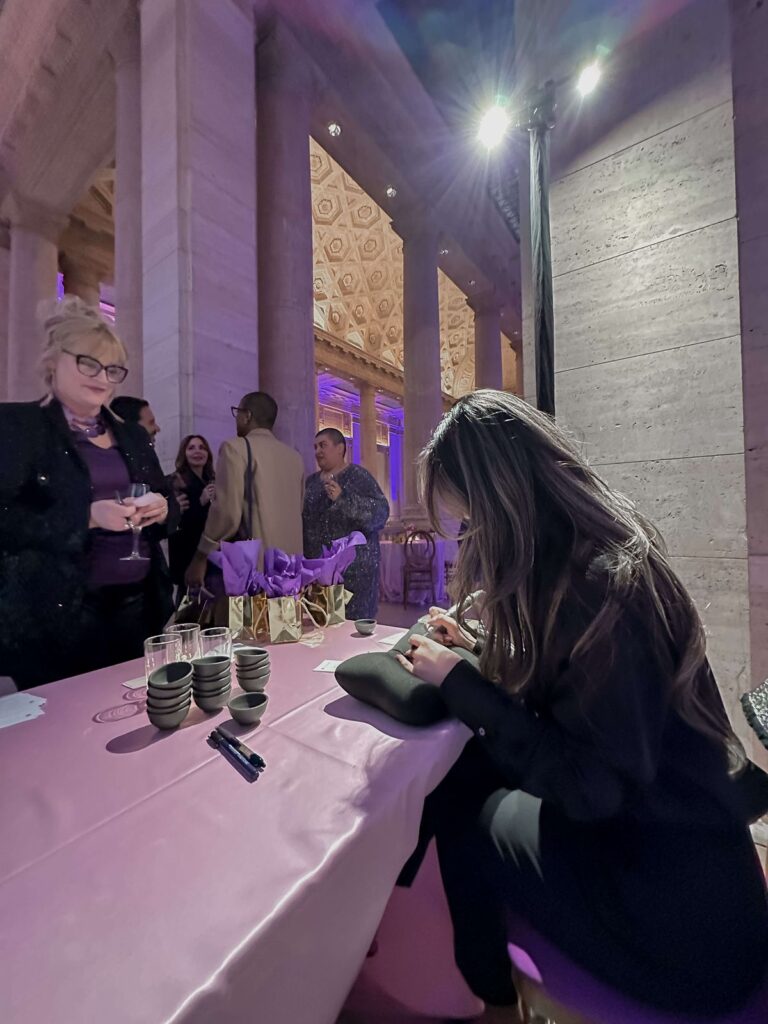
(540, 123)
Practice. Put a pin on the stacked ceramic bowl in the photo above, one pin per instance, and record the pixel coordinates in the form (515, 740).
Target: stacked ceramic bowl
(169, 694)
(252, 667)
(211, 681)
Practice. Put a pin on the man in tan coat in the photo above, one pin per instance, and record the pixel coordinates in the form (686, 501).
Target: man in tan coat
(265, 504)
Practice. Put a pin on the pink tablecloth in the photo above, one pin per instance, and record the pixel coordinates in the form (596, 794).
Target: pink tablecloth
(391, 573)
(147, 881)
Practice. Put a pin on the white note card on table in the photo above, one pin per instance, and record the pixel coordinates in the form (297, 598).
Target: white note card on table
(327, 666)
(20, 707)
(390, 641)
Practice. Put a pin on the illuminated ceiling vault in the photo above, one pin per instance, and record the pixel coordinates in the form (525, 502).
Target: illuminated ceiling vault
(358, 282)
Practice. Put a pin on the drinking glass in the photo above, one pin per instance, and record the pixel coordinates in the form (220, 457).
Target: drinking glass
(190, 639)
(161, 650)
(216, 640)
(133, 493)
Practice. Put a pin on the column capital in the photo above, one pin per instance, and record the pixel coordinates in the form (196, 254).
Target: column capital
(486, 302)
(126, 44)
(31, 215)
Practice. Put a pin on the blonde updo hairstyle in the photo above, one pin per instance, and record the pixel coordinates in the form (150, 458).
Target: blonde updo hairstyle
(72, 324)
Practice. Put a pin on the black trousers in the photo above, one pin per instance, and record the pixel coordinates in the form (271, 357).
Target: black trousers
(670, 917)
(113, 623)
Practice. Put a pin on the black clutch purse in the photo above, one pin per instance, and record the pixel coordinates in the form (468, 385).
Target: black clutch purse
(380, 680)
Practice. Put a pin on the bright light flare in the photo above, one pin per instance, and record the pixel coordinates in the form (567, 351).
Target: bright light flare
(494, 125)
(588, 79)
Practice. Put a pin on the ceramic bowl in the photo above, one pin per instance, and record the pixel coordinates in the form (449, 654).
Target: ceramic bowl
(210, 665)
(173, 676)
(213, 703)
(167, 703)
(248, 656)
(168, 719)
(253, 684)
(254, 670)
(169, 693)
(248, 708)
(365, 627)
(210, 685)
(212, 691)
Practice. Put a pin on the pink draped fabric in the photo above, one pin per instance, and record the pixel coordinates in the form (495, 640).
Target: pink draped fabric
(145, 880)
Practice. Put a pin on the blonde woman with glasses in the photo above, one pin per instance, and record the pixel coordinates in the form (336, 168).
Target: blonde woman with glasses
(83, 508)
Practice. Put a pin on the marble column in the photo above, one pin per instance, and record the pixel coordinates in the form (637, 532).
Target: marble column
(396, 470)
(749, 40)
(126, 52)
(488, 364)
(5, 265)
(286, 337)
(81, 278)
(421, 348)
(368, 444)
(198, 216)
(33, 272)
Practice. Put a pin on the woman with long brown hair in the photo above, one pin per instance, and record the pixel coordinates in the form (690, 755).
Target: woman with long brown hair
(602, 799)
(194, 487)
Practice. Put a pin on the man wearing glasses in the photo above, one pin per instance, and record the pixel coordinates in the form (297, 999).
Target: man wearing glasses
(259, 487)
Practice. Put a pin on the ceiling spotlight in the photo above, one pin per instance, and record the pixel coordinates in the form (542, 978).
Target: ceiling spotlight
(444, 252)
(588, 79)
(334, 129)
(494, 125)
(472, 282)
(391, 191)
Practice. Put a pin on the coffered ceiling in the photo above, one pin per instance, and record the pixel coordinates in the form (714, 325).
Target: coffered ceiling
(359, 278)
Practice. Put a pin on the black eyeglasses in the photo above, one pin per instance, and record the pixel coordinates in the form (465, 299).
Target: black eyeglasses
(235, 409)
(90, 367)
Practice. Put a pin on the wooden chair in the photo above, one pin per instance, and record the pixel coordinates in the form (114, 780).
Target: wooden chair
(419, 564)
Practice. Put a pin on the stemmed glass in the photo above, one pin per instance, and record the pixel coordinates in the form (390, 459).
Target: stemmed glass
(134, 492)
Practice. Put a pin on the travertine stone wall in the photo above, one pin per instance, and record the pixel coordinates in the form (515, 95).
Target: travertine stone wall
(646, 285)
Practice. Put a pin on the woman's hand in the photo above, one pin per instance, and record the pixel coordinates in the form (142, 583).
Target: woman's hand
(111, 515)
(209, 493)
(333, 490)
(150, 509)
(446, 630)
(428, 660)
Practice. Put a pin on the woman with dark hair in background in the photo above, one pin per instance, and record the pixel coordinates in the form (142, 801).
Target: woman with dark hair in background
(193, 481)
(604, 798)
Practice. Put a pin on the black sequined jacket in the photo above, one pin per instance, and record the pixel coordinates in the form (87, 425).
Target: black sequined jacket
(45, 498)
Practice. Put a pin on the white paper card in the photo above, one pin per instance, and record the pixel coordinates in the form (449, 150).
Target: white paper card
(327, 666)
(20, 707)
(134, 684)
(390, 641)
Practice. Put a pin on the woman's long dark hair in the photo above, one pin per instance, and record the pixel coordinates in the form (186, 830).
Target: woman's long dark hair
(538, 516)
(183, 468)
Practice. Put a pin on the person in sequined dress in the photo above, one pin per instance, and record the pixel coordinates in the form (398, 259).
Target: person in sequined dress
(338, 500)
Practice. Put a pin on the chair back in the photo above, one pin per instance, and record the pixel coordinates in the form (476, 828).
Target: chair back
(419, 550)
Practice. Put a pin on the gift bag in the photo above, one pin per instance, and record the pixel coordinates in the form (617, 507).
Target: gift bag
(284, 619)
(195, 608)
(246, 617)
(332, 600)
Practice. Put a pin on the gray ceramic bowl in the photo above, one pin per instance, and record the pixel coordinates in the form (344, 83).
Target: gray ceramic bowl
(171, 676)
(251, 656)
(254, 670)
(248, 708)
(251, 684)
(169, 693)
(215, 702)
(167, 703)
(210, 665)
(215, 683)
(365, 626)
(169, 719)
(212, 691)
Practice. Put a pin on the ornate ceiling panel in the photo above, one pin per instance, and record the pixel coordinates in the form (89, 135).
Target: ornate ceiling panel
(359, 278)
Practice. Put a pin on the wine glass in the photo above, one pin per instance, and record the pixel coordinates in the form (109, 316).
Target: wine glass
(132, 494)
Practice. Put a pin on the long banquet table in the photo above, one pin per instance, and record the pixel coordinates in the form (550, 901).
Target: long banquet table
(142, 879)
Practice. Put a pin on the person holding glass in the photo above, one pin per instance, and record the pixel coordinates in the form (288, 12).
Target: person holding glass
(83, 508)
